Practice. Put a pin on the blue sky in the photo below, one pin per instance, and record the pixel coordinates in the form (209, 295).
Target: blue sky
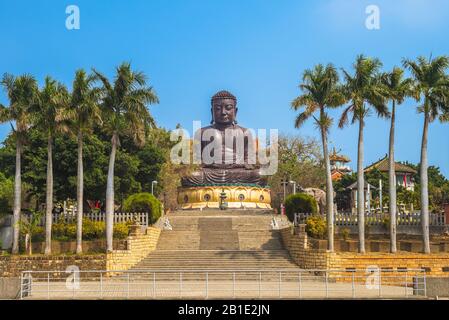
(256, 49)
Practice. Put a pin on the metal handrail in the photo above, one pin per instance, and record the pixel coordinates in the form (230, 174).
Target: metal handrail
(127, 283)
(226, 270)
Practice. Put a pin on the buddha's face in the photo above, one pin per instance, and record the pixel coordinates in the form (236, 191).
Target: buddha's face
(224, 111)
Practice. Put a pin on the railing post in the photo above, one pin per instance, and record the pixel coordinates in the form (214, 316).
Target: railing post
(154, 285)
(353, 285)
(73, 287)
(127, 286)
(299, 285)
(280, 282)
(180, 285)
(21, 285)
(327, 284)
(48, 285)
(260, 282)
(425, 285)
(101, 284)
(233, 284)
(380, 283)
(406, 284)
(207, 285)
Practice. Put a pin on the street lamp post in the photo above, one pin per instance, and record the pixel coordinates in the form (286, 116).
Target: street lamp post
(284, 183)
(152, 186)
(294, 186)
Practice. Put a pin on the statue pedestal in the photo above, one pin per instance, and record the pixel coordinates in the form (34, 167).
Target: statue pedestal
(237, 197)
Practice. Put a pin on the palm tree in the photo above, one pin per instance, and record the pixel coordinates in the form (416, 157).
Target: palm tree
(21, 93)
(124, 105)
(431, 87)
(49, 113)
(28, 226)
(84, 110)
(320, 91)
(362, 89)
(397, 89)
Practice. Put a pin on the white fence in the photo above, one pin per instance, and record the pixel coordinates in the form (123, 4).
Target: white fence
(231, 284)
(141, 217)
(377, 219)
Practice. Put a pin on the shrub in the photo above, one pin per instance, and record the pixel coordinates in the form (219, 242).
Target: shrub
(316, 227)
(38, 235)
(93, 229)
(144, 202)
(121, 230)
(299, 203)
(386, 222)
(345, 233)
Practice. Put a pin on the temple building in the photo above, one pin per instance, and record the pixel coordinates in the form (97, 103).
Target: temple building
(404, 174)
(339, 165)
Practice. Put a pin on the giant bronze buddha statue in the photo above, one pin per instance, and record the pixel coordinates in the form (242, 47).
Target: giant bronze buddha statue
(228, 163)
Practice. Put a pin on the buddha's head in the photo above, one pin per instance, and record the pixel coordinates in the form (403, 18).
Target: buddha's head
(224, 108)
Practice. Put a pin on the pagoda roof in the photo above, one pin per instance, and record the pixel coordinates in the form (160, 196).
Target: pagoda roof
(334, 156)
(383, 165)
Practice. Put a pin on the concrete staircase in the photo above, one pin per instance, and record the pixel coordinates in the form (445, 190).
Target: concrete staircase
(219, 240)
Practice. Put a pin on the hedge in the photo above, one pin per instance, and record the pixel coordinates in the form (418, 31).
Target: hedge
(299, 203)
(144, 202)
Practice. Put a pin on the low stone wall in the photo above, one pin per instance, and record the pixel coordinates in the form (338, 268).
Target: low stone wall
(139, 245)
(9, 288)
(67, 247)
(307, 254)
(296, 242)
(437, 287)
(12, 266)
(435, 264)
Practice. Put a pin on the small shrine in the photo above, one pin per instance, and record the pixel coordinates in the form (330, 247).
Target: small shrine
(339, 165)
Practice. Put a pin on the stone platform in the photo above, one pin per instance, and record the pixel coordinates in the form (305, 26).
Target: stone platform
(237, 197)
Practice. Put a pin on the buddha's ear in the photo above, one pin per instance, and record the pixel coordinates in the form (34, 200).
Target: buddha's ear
(235, 115)
(212, 114)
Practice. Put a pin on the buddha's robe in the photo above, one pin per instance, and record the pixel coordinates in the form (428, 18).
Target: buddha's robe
(228, 156)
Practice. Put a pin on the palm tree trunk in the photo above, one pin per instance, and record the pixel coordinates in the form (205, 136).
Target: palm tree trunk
(49, 197)
(79, 195)
(392, 183)
(110, 195)
(29, 244)
(17, 197)
(424, 185)
(361, 189)
(329, 193)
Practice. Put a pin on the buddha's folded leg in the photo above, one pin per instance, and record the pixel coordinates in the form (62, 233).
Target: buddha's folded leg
(196, 178)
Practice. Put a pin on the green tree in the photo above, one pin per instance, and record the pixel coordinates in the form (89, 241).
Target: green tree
(300, 160)
(21, 92)
(431, 87)
(363, 89)
(49, 114)
(124, 105)
(396, 89)
(321, 91)
(141, 164)
(6, 194)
